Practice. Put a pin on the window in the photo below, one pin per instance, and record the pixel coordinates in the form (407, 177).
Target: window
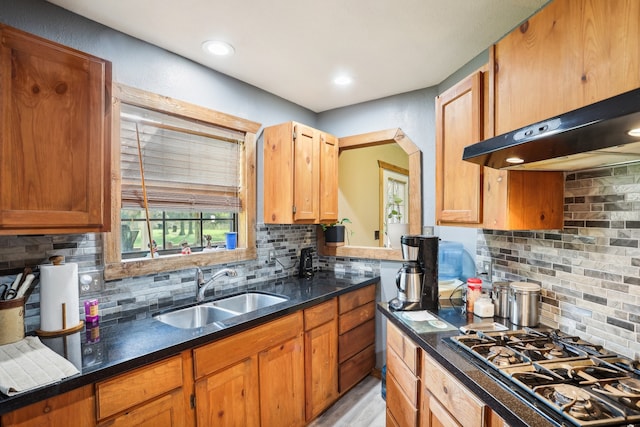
(186, 177)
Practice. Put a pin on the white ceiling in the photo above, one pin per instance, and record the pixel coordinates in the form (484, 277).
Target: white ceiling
(294, 48)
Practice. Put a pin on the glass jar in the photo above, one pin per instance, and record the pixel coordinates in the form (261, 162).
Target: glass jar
(474, 289)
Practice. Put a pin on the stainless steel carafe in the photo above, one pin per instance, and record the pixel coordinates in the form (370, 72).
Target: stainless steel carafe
(417, 280)
(409, 282)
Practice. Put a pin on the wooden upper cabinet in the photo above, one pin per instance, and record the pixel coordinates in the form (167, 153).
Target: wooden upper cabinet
(458, 124)
(300, 175)
(329, 151)
(570, 54)
(55, 112)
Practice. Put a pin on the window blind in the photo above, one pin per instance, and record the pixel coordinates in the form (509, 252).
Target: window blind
(187, 165)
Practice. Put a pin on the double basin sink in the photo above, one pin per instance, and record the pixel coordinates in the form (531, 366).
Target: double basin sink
(215, 311)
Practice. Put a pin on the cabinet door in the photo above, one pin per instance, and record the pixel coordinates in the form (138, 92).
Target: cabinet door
(458, 124)
(321, 368)
(55, 137)
(167, 410)
(570, 54)
(73, 409)
(230, 397)
(282, 384)
(433, 414)
(523, 200)
(306, 175)
(328, 178)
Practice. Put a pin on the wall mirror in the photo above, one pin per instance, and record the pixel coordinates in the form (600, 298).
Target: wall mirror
(389, 150)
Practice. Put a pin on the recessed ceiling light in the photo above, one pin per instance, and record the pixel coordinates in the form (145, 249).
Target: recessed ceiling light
(343, 80)
(218, 48)
(514, 160)
(635, 132)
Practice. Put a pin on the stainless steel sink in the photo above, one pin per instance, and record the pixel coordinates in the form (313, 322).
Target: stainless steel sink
(245, 303)
(194, 317)
(215, 311)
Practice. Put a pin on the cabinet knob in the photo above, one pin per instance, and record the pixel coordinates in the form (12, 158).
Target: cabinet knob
(46, 409)
(444, 388)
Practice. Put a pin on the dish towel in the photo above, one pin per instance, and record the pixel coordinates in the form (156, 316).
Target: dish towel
(29, 364)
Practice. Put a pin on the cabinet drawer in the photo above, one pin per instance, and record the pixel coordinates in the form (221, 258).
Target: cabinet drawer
(356, 368)
(402, 410)
(356, 340)
(322, 313)
(407, 381)
(356, 317)
(220, 354)
(408, 350)
(454, 396)
(127, 390)
(348, 302)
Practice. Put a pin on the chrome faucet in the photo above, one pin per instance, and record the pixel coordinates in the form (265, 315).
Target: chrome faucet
(203, 286)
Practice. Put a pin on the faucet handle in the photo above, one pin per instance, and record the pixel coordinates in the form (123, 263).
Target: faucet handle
(199, 277)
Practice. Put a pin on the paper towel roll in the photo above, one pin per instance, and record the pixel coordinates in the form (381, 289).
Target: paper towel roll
(59, 285)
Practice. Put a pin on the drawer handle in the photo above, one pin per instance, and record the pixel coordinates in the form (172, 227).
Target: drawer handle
(444, 388)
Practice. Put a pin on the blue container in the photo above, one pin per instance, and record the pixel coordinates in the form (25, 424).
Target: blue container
(383, 390)
(231, 240)
(450, 260)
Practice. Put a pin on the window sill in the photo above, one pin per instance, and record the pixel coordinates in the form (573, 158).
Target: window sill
(148, 266)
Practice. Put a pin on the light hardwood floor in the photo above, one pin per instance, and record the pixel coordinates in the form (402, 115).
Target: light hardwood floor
(362, 406)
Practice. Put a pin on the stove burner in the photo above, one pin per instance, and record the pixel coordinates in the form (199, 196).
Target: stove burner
(630, 386)
(592, 374)
(541, 351)
(502, 356)
(575, 401)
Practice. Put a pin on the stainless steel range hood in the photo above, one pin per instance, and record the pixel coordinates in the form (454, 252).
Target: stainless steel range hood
(589, 137)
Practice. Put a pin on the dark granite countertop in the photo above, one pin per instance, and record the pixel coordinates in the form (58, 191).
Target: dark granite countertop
(496, 395)
(133, 344)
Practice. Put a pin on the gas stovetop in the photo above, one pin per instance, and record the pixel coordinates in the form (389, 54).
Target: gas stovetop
(576, 381)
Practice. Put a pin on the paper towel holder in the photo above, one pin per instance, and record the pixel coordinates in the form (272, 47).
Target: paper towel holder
(57, 260)
(64, 330)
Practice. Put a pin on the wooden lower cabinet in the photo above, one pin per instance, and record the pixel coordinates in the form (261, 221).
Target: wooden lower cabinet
(356, 339)
(421, 393)
(254, 377)
(433, 414)
(72, 409)
(282, 373)
(125, 392)
(282, 384)
(447, 402)
(403, 382)
(230, 396)
(167, 410)
(321, 357)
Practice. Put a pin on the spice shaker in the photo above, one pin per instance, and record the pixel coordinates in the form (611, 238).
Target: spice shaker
(474, 289)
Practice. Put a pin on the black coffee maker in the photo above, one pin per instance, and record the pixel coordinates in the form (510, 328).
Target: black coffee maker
(417, 280)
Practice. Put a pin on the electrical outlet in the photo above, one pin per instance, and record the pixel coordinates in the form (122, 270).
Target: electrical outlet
(90, 282)
(487, 268)
(272, 255)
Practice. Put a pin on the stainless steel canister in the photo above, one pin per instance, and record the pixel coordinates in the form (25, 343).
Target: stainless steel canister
(523, 302)
(500, 297)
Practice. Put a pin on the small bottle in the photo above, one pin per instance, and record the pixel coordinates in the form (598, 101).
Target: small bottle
(91, 310)
(474, 289)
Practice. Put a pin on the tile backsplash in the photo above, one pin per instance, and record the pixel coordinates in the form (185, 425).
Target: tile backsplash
(138, 297)
(590, 270)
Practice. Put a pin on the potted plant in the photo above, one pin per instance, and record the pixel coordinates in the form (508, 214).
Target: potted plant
(395, 227)
(334, 232)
